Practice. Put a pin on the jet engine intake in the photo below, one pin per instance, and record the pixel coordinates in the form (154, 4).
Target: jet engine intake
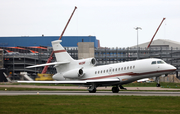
(76, 73)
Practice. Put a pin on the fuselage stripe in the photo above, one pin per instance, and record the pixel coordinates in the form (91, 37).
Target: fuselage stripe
(130, 74)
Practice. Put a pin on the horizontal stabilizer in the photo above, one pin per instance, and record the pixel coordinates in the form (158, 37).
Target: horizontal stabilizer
(48, 64)
(71, 82)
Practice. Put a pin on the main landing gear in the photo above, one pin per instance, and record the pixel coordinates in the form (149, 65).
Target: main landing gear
(121, 87)
(92, 91)
(92, 88)
(115, 89)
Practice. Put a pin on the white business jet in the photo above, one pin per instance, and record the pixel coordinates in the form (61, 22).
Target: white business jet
(84, 72)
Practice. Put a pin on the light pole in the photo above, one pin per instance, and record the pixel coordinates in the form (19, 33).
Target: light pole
(137, 40)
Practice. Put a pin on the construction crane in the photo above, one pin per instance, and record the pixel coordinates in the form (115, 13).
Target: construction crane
(50, 58)
(155, 33)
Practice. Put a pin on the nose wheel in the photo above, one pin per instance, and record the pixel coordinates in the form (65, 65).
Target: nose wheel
(158, 85)
(157, 81)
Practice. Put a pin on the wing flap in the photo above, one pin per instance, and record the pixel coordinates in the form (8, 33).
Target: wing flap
(72, 82)
(54, 82)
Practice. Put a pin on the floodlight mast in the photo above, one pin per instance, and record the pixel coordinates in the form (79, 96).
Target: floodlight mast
(137, 41)
(50, 58)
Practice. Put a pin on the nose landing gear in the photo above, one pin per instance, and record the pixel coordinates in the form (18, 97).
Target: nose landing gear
(157, 81)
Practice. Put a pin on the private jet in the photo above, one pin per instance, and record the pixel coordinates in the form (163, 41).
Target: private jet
(84, 72)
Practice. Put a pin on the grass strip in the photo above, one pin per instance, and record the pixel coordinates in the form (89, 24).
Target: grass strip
(54, 104)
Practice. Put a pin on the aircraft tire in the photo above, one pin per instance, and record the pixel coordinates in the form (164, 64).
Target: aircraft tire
(158, 85)
(115, 89)
(93, 91)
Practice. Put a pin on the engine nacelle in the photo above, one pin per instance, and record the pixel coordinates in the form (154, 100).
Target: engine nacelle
(87, 62)
(76, 73)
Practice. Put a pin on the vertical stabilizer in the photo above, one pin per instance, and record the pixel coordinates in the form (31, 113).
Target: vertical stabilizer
(60, 53)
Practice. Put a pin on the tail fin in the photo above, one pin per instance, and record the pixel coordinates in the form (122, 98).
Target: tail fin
(60, 53)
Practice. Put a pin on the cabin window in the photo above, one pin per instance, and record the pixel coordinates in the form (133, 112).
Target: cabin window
(124, 68)
(98, 72)
(154, 62)
(107, 71)
(95, 72)
(104, 71)
(116, 69)
(113, 70)
(130, 67)
(160, 62)
(119, 69)
(133, 67)
(127, 68)
(101, 71)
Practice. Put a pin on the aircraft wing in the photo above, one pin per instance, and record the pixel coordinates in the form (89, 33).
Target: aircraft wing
(47, 64)
(72, 82)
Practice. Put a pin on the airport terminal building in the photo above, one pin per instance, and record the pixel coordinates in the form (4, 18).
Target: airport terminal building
(19, 52)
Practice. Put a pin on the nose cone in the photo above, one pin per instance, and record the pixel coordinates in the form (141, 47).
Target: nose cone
(171, 68)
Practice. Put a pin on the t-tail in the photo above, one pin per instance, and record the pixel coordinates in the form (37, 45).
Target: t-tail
(60, 53)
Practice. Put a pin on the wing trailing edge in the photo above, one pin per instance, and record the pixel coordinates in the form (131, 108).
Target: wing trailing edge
(72, 82)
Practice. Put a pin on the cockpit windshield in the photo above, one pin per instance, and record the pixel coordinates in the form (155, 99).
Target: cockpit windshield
(157, 62)
(160, 62)
(154, 62)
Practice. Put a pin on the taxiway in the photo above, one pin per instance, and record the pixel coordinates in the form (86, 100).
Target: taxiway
(99, 93)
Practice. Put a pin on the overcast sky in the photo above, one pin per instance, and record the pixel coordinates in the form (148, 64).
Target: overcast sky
(111, 21)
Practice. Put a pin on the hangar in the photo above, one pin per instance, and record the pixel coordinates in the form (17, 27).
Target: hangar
(160, 43)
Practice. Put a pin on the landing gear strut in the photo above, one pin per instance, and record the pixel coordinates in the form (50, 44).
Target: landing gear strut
(115, 89)
(121, 87)
(157, 80)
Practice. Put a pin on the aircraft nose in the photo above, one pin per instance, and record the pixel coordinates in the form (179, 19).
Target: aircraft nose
(173, 68)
